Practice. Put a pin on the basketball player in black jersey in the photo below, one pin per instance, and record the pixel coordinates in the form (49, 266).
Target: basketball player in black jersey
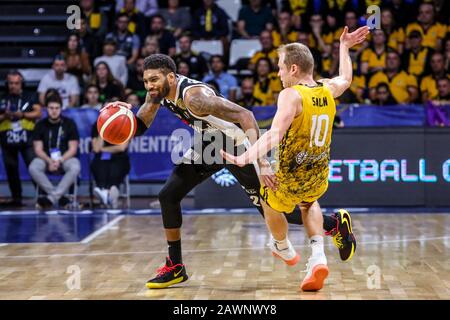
(199, 106)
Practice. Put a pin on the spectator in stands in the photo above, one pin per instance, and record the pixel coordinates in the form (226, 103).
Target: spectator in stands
(167, 42)
(383, 96)
(428, 85)
(109, 167)
(135, 83)
(197, 64)
(51, 92)
(403, 11)
(178, 18)
(127, 43)
(332, 26)
(183, 69)
(88, 41)
(211, 23)
(441, 9)
(109, 86)
(432, 32)
(285, 32)
(151, 46)
(248, 100)
(320, 39)
(402, 85)
(417, 59)
(136, 23)
(91, 97)
(447, 53)
(298, 9)
(437, 109)
(133, 99)
(19, 110)
(303, 37)
(443, 86)
(77, 59)
(253, 19)
(267, 50)
(55, 145)
(395, 34)
(108, 8)
(373, 58)
(147, 7)
(227, 83)
(59, 79)
(97, 22)
(117, 64)
(267, 84)
(339, 8)
(330, 64)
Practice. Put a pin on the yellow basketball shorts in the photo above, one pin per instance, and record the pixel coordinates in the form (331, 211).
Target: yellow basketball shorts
(286, 202)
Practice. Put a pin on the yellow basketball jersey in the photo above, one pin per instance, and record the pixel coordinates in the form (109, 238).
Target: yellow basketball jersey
(304, 151)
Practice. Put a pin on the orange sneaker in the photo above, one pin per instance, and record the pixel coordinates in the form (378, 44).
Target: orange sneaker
(316, 273)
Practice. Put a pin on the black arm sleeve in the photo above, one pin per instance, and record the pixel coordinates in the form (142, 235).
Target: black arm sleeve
(141, 127)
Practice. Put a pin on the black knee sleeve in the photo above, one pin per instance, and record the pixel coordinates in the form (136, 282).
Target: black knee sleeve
(170, 208)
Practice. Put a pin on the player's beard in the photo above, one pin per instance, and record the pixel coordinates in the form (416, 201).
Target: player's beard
(163, 93)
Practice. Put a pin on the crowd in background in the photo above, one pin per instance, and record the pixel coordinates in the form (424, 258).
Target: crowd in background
(405, 61)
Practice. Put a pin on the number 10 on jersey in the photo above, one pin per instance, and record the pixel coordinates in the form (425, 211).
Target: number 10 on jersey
(318, 122)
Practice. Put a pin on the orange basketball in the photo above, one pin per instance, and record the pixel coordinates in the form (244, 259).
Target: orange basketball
(116, 124)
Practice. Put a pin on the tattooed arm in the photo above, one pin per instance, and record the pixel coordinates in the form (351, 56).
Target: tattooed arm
(202, 102)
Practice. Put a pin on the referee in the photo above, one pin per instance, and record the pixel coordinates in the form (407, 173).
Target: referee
(19, 111)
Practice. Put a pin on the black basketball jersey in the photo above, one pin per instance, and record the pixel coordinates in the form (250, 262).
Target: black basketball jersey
(207, 124)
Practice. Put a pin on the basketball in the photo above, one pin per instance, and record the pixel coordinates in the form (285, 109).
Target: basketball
(116, 124)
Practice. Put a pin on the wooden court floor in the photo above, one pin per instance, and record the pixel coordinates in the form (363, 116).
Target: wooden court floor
(401, 256)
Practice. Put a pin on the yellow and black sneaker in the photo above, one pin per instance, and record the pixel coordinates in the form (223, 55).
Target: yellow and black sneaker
(168, 275)
(343, 237)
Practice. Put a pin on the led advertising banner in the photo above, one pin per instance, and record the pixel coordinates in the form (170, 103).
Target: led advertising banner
(368, 167)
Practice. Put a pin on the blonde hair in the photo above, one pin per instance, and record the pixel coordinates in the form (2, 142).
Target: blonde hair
(298, 54)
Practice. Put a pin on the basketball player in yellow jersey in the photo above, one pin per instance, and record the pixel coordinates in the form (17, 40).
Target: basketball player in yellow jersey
(302, 129)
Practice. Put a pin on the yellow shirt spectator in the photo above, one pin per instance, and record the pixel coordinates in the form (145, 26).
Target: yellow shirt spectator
(267, 90)
(358, 86)
(396, 39)
(428, 85)
(272, 55)
(417, 62)
(429, 37)
(373, 59)
(298, 7)
(398, 85)
(278, 39)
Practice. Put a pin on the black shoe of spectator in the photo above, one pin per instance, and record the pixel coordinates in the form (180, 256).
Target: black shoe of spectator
(13, 203)
(63, 202)
(44, 203)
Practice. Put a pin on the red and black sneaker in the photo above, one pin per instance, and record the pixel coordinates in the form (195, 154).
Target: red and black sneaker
(168, 275)
(343, 237)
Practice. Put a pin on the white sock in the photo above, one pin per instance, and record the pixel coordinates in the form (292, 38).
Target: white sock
(281, 244)
(316, 243)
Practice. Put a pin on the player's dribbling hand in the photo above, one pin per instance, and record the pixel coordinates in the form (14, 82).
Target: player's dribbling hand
(354, 38)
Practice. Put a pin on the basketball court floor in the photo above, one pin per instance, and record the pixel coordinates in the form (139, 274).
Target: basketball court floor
(111, 254)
